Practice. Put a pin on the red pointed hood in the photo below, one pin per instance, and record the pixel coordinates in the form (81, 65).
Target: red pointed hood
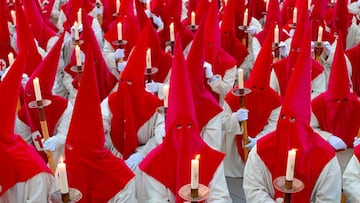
(182, 141)
(257, 8)
(294, 132)
(41, 30)
(212, 35)
(318, 12)
(287, 10)
(354, 57)
(131, 103)
(342, 19)
(5, 47)
(85, 153)
(205, 104)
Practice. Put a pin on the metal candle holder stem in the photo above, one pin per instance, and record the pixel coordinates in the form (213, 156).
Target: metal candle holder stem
(288, 187)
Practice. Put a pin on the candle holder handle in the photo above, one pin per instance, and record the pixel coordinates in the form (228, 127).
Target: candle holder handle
(187, 193)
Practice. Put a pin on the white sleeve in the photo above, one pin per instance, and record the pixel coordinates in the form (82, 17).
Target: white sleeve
(230, 123)
(106, 117)
(318, 85)
(328, 185)
(211, 133)
(23, 130)
(314, 123)
(98, 32)
(155, 192)
(218, 188)
(67, 81)
(223, 85)
(351, 180)
(39, 187)
(257, 180)
(271, 123)
(109, 56)
(274, 83)
(126, 195)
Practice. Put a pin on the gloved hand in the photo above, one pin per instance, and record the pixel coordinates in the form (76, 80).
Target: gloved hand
(2, 72)
(208, 70)
(98, 10)
(134, 160)
(326, 47)
(162, 132)
(24, 79)
(279, 200)
(158, 22)
(291, 32)
(282, 49)
(50, 144)
(242, 114)
(121, 65)
(119, 53)
(148, 13)
(356, 141)
(252, 142)
(358, 3)
(336, 142)
(151, 87)
(80, 29)
(251, 30)
(143, 1)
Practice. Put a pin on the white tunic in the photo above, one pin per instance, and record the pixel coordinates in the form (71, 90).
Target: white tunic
(351, 180)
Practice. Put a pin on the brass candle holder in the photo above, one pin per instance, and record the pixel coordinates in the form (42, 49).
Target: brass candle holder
(194, 195)
(72, 196)
(288, 187)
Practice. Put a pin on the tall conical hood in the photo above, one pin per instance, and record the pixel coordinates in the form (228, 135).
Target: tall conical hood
(212, 35)
(5, 46)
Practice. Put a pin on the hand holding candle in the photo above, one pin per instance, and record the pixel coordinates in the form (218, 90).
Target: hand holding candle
(290, 167)
(194, 184)
(37, 89)
(64, 188)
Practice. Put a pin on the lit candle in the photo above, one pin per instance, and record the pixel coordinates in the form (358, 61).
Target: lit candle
(148, 5)
(148, 58)
(245, 21)
(119, 31)
(192, 18)
(194, 184)
(37, 89)
(64, 188)
(290, 167)
(172, 36)
(276, 34)
(79, 14)
(77, 55)
(241, 78)
(13, 17)
(11, 58)
(295, 15)
(166, 95)
(117, 6)
(76, 30)
(320, 33)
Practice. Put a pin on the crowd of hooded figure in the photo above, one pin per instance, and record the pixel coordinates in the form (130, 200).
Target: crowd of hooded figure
(126, 93)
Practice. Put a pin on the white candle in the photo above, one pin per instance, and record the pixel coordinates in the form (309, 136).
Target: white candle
(320, 34)
(192, 18)
(77, 55)
(13, 17)
(76, 30)
(241, 78)
(290, 167)
(117, 6)
(245, 21)
(148, 58)
(295, 15)
(276, 34)
(11, 58)
(267, 5)
(166, 95)
(194, 184)
(37, 89)
(148, 5)
(309, 4)
(79, 14)
(332, 1)
(64, 188)
(172, 36)
(119, 31)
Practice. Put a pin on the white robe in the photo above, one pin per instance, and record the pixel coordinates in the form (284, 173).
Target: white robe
(258, 184)
(126, 195)
(351, 180)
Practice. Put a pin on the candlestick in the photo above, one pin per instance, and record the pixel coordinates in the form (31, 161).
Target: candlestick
(148, 5)
(76, 31)
(13, 17)
(320, 33)
(166, 95)
(295, 15)
(245, 21)
(276, 34)
(37, 89)
(241, 78)
(194, 184)
(309, 4)
(192, 18)
(11, 58)
(64, 188)
(267, 5)
(77, 55)
(148, 58)
(117, 6)
(119, 31)
(79, 14)
(172, 35)
(290, 165)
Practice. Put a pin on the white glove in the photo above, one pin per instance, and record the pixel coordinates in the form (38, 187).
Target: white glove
(121, 66)
(208, 70)
(291, 33)
(24, 79)
(326, 47)
(119, 53)
(336, 142)
(98, 10)
(2, 73)
(80, 29)
(356, 141)
(134, 160)
(50, 144)
(252, 142)
(143, 1)
(242, 114)
(162, 131)
(282, 49)
(151, 87)
(358, 3)
(251, 30)
(148, 13)
(158, 22)
(279, 200)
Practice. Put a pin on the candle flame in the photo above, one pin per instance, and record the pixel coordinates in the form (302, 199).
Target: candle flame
(197, 157)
